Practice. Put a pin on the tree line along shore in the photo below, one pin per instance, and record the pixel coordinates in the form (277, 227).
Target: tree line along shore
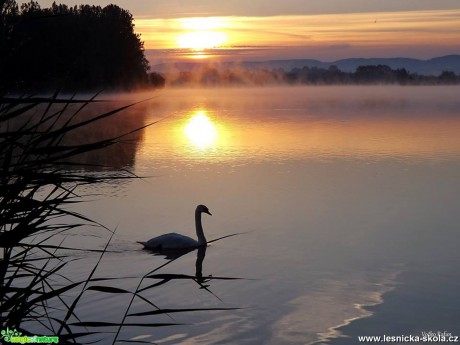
(208, 75)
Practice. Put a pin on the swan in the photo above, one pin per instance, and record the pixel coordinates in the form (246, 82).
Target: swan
(178, 241)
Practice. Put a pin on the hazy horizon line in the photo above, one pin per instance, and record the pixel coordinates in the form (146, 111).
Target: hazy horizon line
(184, 57)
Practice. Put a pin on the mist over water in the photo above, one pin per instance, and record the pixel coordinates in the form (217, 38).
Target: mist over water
(315, 122)
(348, 195)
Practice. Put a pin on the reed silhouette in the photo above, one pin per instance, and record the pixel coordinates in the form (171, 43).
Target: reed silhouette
(41, 177)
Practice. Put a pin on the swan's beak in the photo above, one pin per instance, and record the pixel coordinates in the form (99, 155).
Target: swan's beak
(208, 212)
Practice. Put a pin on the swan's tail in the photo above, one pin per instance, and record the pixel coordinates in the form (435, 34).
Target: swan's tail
(143, 243)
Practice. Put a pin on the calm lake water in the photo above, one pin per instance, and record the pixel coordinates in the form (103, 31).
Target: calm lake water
(347, 198)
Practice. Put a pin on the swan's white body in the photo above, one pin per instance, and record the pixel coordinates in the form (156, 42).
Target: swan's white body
(178, 241)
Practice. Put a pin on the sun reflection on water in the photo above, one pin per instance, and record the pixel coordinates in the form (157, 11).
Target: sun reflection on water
(243, 126)
(200, 130)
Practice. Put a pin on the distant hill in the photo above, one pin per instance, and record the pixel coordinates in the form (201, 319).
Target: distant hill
(433, 66)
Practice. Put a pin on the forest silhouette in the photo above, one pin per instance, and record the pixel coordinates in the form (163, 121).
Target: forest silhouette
(80, 48)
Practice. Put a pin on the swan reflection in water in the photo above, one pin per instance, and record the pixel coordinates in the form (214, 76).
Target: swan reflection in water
(174, 254)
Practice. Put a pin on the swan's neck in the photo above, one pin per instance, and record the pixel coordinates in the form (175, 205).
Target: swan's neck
(199, 229)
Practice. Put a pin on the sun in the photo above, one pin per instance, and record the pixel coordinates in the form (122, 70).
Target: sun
(200, 130)
(202, 33)
(200, 40)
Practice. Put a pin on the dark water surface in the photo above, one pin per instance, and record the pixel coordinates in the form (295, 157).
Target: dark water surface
(348, 198)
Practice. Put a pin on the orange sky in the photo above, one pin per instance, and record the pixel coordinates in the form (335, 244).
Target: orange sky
(326, 36)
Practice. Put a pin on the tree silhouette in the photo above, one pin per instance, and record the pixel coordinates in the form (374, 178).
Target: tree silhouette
(70, 48)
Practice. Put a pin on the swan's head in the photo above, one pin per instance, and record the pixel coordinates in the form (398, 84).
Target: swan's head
(203, 209)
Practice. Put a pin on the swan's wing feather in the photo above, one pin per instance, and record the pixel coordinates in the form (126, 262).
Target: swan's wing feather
(170, 241)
